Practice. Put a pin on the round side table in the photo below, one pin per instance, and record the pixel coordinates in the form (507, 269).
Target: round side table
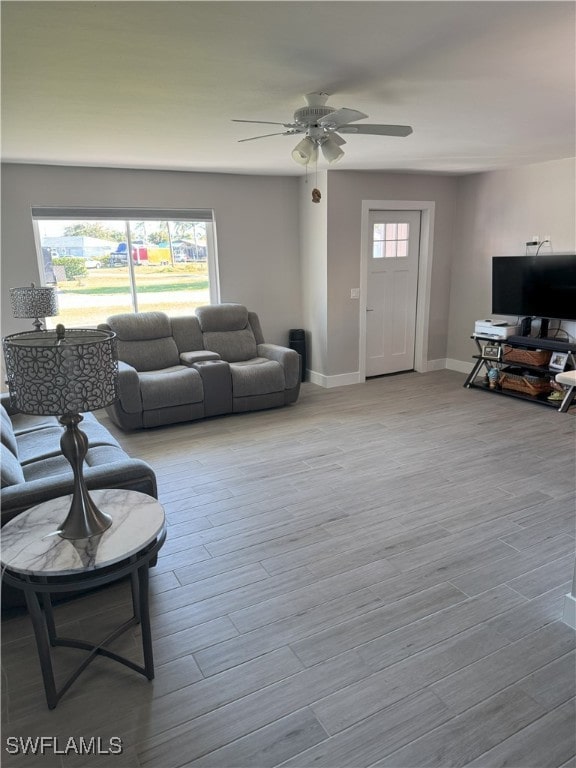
(36, 560)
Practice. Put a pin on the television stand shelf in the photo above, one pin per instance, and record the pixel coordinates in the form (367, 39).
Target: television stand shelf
(524, 376)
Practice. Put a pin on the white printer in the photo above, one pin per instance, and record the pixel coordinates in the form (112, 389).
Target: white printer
(495, 329)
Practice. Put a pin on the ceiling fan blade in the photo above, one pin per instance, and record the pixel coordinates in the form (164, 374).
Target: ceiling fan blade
(265, 135)
(378, 130)
(341, 117)
(261, 122)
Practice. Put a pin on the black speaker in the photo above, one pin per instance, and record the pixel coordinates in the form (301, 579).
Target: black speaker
(525, 326)
(297, 341)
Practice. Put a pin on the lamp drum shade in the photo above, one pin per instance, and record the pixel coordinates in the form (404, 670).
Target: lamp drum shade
(66, 371)
(30, 301)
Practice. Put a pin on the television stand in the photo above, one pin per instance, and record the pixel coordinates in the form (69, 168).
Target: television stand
(523, 366)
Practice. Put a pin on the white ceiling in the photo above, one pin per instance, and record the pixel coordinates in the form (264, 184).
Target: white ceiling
(485, 85)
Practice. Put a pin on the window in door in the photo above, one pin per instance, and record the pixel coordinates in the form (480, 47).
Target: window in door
(390, 240)
(104, 266)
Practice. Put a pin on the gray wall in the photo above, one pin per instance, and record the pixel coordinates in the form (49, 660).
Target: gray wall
(256, 227)
(497, 213)
(294, 262)
(346, 191)
(314, 270)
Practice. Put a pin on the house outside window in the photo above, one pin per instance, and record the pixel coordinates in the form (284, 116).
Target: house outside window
(126, 261)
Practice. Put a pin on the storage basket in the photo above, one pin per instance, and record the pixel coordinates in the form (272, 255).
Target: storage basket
(524, 383)
(526, 356)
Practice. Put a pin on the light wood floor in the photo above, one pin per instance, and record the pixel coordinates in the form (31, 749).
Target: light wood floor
(374, 576)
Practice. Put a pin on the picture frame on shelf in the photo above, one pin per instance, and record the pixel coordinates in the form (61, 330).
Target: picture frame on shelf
(492, 352)
(558, 361)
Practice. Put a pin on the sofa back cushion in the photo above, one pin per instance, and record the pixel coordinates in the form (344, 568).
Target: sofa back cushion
(145, 340)
(11, 472)
(222, 317)
(187, 334)
(232, 346)
(226, 330)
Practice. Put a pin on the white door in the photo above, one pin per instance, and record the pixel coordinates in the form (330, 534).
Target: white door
(391, 291)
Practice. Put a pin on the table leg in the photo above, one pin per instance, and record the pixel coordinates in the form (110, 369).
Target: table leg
(474, 372)
(43, 645)
(567, 401)
(49, 617)
(135, 595)
(145, 621)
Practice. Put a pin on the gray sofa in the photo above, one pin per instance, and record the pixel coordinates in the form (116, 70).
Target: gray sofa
(187, 368)
(34, 469)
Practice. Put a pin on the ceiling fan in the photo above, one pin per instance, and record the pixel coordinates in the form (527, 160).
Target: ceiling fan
(322, 125)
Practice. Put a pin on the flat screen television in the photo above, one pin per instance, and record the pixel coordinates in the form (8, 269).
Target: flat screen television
(535, 286)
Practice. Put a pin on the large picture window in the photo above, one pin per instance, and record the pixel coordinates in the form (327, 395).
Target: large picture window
(126, 261)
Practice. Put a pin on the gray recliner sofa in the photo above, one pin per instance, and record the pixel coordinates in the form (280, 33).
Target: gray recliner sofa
(187, 368)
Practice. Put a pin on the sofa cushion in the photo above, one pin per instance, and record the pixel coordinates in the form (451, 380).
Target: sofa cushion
(144, 340)
(43, 443)
(177, 385)
(39, 444)
(11, 471)
(232, 346)
(26, 422)
(98, 458)
(222, 317)
(139, 326)
(7, 432)
(257, 377)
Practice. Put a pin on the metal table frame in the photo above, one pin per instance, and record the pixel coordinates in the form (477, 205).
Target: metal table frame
(37, 591)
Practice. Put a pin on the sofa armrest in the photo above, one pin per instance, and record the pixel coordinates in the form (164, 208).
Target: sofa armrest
(129, 388)
(197, 356)
(289, 359)
(5, 401)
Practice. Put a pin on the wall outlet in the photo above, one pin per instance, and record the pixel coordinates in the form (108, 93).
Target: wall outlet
(355, 293)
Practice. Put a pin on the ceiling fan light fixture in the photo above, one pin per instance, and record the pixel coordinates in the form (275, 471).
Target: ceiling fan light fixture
(331, 150)
(306, 151)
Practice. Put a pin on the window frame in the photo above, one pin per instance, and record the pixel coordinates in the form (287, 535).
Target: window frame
(126, 216)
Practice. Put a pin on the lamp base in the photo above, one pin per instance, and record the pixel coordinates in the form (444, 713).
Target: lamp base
(84, 518)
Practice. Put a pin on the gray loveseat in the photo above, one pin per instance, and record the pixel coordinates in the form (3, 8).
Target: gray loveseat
(186, 368)
(34, 469)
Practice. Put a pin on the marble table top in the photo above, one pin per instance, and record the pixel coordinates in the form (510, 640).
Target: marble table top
(31, 544)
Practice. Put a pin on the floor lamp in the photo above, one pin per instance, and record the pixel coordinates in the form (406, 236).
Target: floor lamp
(66, 372)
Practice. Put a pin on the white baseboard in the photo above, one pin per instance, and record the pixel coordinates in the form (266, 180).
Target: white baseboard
(344, 379)
(569, 616)
(338, 380)
(436, 365)
(458, 365)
